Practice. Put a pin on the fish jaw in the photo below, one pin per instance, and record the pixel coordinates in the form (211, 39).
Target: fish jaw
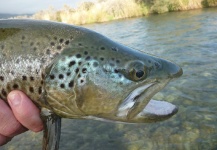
(156, 111)
(139, 106)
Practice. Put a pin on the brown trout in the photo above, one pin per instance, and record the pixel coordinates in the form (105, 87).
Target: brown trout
(77, 73)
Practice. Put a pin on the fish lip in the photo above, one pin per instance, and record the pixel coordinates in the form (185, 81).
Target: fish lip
(157, 110)
(130, 100)
(136, 104)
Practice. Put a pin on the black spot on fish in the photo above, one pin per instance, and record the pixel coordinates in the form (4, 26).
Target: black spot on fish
(71, 84)
(56, 54)
(42, 82)
(38, 43)
(61, 40)
(15, 86)
(48, 51)
(32, 43)
(82, 81)
(39, 90)
(32, 78)
(52, 76)
(79, 75)
(79, 63)
(157, 65)
(24, 78)
(77, 70)
(114, 49)
(78, 55)
(87, 58)
(4, 92)
(117, 61)
(95, 64)
(71, 63)
(101, 58)
(31, 89)
(85, 52)
(52, 43)
(68, 73)
(55, 38)
(84, 70)
(1, 78)
(67, 42)
(61, 76)
(23, 37)
(59, 47)
(8, 87)
(116, 71)
(42, 75)
(62, 85)
(79, 44)
(102, 48)
(35, 48)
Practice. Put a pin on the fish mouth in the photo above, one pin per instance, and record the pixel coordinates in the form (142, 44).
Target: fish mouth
(139, 106)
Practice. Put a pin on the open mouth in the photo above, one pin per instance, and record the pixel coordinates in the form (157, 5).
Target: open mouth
(139, 107)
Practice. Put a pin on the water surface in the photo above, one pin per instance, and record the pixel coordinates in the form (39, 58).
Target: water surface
(187, 38)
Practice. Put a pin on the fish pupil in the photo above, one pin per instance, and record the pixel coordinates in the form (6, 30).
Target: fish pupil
(139, 73)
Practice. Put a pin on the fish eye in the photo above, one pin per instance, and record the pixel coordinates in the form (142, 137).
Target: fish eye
(139, 74)
(135, 71)
(133, 74)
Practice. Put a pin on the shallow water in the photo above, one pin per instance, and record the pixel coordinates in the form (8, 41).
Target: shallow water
(187, 38)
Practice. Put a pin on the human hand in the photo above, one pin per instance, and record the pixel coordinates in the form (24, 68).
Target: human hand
(21, 115)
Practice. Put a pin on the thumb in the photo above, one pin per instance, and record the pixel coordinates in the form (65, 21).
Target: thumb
(25, 111)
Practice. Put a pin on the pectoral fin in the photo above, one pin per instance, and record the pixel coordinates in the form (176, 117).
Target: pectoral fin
(52, 130)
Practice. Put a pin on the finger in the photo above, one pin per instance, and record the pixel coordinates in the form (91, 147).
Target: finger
(25, 111)
(4, 139)
(9, 126)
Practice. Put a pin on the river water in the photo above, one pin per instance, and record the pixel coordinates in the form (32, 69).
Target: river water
(187, 38)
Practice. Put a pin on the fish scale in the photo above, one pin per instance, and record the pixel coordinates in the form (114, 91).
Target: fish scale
(73, 72)
(25, 58)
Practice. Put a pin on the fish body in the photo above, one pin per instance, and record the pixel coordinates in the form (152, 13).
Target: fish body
(78, 73)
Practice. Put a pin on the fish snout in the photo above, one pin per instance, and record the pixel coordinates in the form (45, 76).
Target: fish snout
(171, 69)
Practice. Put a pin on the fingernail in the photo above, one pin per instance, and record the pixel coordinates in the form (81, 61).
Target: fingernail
(14, 99)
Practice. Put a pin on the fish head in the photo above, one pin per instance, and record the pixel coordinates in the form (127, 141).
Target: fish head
(101, 79)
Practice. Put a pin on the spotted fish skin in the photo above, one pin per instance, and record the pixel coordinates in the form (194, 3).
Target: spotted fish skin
(78, 73)
(27, 48)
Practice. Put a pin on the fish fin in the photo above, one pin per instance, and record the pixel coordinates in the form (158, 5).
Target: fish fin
(52, 130)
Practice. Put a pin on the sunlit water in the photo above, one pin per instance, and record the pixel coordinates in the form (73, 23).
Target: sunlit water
(187, 38)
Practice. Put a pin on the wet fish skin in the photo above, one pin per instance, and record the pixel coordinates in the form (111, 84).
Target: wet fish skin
(78, 73)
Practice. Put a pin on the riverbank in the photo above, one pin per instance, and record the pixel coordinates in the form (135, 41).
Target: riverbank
(107, 10)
